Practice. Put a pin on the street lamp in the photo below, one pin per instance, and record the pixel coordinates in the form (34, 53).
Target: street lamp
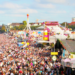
(54, 43)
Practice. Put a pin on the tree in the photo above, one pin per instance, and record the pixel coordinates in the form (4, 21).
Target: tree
(52, 45)
(63, 24)
(24, 22)
(68, 36)
(20, 27)
(72, 26)
(3, 28)
(34, 27)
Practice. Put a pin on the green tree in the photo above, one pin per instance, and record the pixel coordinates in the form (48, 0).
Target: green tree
(20, 27)
(68, 36)
(52, 45)
(63, 24)
(72, 26)
(34, 27)
(24, 22)
(3, 28)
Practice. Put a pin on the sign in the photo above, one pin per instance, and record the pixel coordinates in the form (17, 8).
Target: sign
(54, 53)
(54, 58)
(64, 53)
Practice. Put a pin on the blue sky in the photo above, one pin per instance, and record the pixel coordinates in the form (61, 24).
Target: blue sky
(46, 10)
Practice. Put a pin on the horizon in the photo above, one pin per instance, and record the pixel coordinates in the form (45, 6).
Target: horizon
(15, 11)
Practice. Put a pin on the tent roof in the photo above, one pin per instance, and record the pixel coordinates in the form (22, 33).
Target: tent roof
(41, 27)
(69, 45)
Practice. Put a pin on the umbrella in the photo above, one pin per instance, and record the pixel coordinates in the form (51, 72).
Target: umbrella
(39, 32)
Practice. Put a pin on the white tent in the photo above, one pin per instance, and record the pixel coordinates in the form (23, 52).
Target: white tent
(72, 62)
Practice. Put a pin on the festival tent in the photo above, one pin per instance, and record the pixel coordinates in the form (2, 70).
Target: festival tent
(41, 41)
(66, 62)
(72, 62)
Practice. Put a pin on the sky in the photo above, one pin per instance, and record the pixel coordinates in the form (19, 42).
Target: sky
(14, 11)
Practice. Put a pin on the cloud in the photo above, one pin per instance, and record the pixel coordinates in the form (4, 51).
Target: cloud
(2, 12)
(10, 6)
(2, 20)
(16, 8)
(38, 0)
(58, 11)
(15, 15)
(57, 1)
(72, 14)
(45, 5)
(53, 1)
(26, 11)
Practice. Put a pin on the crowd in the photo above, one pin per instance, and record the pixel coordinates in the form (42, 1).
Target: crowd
(26, 61)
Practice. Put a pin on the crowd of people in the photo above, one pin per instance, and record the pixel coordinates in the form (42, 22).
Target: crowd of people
(31, 60)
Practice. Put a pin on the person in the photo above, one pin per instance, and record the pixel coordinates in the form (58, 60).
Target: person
(73, 71)
(17, 60)
(68, 72)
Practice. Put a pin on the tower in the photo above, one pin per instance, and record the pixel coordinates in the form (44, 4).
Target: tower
(28, 25)
(73, 19)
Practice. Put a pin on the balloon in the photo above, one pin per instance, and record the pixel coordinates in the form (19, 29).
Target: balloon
(27, 43)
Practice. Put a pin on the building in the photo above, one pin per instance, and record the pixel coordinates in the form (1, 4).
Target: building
(41, 28)
(68, 45)
(53, 26)
(51, 23)
(0, 26)
(15, 24)
(73, 21)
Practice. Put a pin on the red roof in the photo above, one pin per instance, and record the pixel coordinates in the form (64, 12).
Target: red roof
(51, 23)
(72, 23)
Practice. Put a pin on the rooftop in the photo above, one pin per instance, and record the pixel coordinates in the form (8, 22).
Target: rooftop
(15, 24)
(69, 45)
(51, 23)
(40, 28)
(72, 23)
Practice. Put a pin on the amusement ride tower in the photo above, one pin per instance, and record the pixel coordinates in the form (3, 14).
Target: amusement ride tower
(28, 25)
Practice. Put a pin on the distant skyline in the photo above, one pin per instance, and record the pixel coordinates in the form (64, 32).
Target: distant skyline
(14, 11)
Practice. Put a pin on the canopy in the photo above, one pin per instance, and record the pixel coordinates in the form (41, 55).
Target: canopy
(66, 62)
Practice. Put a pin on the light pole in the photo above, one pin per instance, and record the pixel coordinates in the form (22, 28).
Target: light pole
(54, 43)
(65, 24)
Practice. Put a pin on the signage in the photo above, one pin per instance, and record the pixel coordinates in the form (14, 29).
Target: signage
(54, 58)
(54, 53)
(64, 53)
